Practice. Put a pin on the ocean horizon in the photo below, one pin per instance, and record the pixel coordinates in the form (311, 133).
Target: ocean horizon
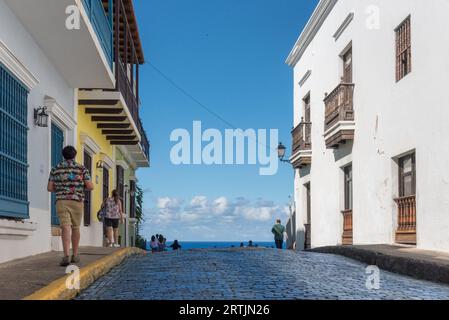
(186, 245)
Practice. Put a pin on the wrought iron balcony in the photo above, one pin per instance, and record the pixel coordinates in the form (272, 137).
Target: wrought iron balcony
(339, 123)
(302, 145)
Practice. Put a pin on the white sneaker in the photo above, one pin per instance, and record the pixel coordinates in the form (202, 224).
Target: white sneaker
(110, 245)
(116, 245)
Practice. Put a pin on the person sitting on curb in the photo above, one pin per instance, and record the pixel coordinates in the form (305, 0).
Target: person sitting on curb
(175, 246)
(69, 180)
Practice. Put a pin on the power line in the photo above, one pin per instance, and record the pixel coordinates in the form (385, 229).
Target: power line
(191, 97)
(173, 83)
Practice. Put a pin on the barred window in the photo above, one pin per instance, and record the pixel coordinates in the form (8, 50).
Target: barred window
(403, 49)
(13, 147)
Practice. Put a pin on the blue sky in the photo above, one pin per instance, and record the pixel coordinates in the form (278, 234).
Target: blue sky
(229, 55)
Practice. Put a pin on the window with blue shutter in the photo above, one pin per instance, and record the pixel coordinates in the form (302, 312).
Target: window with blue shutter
(13, 147)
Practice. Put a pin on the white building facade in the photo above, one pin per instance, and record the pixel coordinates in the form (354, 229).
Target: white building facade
(42, 62)
(370, 124)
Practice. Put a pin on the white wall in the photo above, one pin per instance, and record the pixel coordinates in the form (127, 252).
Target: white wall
(391, 118)
(27, 51)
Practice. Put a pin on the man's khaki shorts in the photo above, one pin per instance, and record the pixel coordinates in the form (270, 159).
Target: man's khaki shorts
(70, 213)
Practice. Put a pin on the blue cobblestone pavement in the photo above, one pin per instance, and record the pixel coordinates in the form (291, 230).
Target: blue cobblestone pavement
(261, 274)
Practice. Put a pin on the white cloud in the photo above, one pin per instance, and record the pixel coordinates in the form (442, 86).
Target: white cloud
(200, 207)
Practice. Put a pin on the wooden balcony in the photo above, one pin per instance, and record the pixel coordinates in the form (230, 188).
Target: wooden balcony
(406, 230)
(302, 145)
(347, 227)
(339, 125)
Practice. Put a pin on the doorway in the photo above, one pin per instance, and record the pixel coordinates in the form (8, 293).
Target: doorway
(308, 225)
(57, 144)
(87, 194)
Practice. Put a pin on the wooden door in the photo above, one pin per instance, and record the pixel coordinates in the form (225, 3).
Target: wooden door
(105, 183)
(308, 226)
(87, 194)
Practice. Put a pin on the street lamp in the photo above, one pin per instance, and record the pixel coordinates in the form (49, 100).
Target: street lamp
(281, 152)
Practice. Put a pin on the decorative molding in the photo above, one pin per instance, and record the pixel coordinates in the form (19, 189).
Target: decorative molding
(58, 112)
(304, 79)
(310, 30)
(128, 156)
(123, 164)
(343, 26)
(13, 64)
(89, 143)
(17, 228)
(109, 163)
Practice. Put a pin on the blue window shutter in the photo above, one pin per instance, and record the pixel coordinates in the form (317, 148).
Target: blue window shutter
(57, 143)
(13, 147)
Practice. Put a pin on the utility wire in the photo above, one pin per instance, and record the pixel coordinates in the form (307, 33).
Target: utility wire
(173, 83)
(191, 97)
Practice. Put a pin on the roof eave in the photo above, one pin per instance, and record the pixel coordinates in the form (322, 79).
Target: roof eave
(314, 24)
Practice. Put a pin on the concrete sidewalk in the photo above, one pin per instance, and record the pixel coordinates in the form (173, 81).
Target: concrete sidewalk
(416, 263)
(20, 278)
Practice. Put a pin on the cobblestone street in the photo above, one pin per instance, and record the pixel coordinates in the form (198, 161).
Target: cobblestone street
(252, 274)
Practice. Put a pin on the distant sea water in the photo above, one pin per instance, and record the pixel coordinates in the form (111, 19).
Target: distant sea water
(217, 245)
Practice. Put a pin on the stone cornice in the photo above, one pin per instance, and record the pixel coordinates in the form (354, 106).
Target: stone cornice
(310, 30)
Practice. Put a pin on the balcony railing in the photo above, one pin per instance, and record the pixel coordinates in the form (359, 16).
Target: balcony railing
(102, 24)
(347, 227)
(339, 105)
(144, 143)
(406, 231)
(302, 137)
(126, 89)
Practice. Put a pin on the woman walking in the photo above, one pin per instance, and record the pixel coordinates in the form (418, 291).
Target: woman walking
(114, 216)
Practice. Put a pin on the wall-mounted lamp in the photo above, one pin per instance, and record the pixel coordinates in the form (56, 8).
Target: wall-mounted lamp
(100, 164)
(41, 117)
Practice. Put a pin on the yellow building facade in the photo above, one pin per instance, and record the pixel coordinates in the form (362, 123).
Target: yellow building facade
(97, 154)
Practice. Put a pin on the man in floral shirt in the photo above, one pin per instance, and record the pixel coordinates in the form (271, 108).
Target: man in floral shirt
(69, 180)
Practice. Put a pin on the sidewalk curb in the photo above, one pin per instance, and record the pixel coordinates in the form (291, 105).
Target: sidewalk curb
(57, 290)
(409, 266)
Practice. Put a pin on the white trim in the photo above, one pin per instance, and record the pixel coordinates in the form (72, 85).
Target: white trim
(128, 157)
(58, 113)
(89, 144)
(305, 78)
(10, 228)
(310, 30)
(109, 163)
(341, 125)
(13, 64)
(122, 164)
(343, 26)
